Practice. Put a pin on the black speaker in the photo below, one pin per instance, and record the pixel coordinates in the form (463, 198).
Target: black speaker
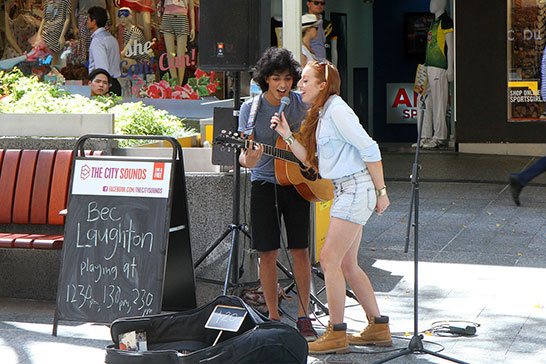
(233, 34)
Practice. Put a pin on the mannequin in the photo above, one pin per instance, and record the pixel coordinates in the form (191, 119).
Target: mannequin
(54, 27)
(131, 34)
(439, 69)
(176, 28)
(79, 24)
(142, 14)
(20, 27)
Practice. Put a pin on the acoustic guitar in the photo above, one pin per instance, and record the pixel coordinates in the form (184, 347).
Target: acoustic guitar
(288, 168)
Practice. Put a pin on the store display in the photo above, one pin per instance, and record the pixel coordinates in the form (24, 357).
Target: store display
(143, 10)
(175, 26)
(159, 54)
(135, 48)
(21, 26)
(54, 25)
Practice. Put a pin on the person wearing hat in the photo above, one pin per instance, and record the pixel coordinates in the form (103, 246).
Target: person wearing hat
(309, 30)
(99, 80)
(325, 43)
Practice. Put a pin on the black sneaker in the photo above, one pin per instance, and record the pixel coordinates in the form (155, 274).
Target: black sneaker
(306, 330)
(515, 188)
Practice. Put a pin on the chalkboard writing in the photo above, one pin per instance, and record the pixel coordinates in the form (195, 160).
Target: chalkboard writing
(114, 253)
(228, 318)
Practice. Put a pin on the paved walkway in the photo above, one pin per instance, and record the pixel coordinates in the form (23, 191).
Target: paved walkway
(481, 260)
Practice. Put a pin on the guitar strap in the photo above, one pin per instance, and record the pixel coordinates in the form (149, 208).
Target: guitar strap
(249, 130)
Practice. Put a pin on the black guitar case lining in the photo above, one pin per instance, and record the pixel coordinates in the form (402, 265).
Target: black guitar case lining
(181, 338)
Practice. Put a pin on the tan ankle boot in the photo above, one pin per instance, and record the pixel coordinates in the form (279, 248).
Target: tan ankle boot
(332, 341)
(376, 333)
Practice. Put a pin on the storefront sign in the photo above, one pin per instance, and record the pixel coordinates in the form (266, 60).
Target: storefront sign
(401, 103)
(164, 59)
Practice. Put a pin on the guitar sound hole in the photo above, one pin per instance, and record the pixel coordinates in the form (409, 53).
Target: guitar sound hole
(308, 173)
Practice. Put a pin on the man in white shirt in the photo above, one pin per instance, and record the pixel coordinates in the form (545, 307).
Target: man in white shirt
(104, 49)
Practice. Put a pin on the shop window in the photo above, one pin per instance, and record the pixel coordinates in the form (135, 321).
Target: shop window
(526, 40)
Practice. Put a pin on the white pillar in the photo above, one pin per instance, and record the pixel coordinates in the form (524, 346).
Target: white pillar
(291, 26)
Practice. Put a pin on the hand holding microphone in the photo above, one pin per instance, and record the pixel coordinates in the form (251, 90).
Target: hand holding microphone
(279, 121)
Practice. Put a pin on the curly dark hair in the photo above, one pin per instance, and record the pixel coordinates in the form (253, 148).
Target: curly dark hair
(276, 59)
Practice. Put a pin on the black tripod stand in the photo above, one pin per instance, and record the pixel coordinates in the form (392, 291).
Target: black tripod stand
(416, 342)
(232, 270)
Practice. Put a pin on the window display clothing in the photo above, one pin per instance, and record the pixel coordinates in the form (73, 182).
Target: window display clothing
(138, 5)
(132, 34)
(436, 52)
(435, 124)
(436, 64)
(56, 13)
(175, 18)
(22, 29)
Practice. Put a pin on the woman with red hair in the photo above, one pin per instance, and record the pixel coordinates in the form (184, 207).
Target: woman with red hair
(333, 141)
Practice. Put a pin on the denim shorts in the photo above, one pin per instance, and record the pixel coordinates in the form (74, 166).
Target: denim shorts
(354, 197)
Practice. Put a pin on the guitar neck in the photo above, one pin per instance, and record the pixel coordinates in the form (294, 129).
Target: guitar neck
(280, 153)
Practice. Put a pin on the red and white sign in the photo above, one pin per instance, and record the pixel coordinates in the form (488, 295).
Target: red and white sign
(401, 103)
(122, 178)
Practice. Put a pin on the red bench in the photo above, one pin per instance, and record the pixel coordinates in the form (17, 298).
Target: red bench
(34, 190)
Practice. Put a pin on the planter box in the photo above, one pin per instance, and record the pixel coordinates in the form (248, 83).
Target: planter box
(55, 125)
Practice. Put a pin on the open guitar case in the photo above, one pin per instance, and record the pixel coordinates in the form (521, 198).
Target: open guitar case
(181, 338)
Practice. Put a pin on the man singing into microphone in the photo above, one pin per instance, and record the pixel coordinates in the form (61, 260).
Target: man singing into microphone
(277, 73)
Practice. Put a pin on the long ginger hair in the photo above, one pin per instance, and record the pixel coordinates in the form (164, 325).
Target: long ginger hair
(324, 72)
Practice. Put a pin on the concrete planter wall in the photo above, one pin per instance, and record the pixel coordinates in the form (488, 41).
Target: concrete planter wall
(55, 125)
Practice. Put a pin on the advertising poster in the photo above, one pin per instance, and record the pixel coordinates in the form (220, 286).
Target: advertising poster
(526, 38)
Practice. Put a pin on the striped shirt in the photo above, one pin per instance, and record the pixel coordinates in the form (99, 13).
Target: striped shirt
(56, 12)
(131, 34)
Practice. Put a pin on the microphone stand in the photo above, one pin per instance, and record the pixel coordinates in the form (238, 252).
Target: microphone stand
(416, 342)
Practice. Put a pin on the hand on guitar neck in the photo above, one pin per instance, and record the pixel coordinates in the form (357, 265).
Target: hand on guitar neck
(251, 155)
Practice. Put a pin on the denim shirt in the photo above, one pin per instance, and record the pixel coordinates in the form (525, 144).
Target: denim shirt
(343, 146)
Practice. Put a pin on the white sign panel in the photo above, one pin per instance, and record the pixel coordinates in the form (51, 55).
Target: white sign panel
(121, 178)
(401, 103)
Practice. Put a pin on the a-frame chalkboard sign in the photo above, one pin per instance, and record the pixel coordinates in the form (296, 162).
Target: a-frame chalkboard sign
(126, 249)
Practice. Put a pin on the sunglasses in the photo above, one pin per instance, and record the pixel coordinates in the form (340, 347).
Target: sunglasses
(326, 65)
(317, 3)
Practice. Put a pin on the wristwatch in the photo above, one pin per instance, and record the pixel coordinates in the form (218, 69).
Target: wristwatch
(381, 192)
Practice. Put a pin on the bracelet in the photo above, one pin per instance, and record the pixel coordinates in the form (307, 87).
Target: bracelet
(289, 139)
(381, 192)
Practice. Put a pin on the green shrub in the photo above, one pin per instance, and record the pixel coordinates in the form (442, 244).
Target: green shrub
(22, 94)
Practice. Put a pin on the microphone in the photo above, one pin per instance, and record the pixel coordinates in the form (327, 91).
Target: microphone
(285, 101)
